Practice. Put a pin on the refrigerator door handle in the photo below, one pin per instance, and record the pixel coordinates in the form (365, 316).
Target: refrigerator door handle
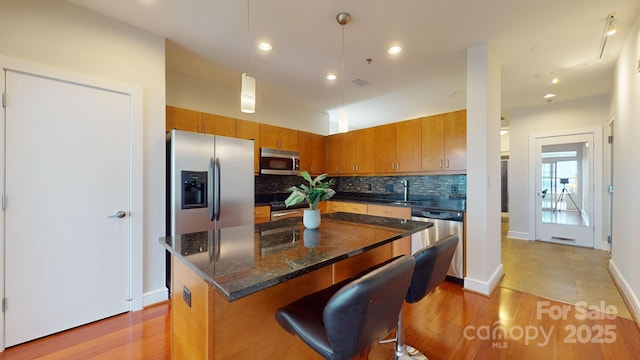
(217, 185)
(210, 190)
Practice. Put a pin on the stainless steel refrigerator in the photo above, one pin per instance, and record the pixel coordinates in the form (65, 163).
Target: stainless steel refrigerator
(210, 185)
(211, 182)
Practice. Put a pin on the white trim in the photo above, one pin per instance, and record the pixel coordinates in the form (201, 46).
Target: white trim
(485, 287)
(155, 296)
(627, 292)
(518, 235)
(136, 165)
(598, 151)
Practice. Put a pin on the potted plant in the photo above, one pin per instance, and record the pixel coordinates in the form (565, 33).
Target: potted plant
(316, 191)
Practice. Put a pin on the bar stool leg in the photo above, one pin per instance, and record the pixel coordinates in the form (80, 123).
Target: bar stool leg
(403, 351)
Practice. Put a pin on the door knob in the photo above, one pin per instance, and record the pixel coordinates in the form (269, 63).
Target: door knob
(120, 214)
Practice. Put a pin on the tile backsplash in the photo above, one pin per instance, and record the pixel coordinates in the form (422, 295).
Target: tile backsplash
(386, 186)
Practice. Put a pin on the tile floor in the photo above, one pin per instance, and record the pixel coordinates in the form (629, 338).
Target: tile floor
(559, 272)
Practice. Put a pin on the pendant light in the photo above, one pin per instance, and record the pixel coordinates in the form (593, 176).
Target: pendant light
(248, 90)
(343, 118)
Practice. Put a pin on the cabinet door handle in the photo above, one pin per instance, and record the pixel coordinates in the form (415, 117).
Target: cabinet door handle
(447, 163)
(398, 166)
(393, 166)
(441, 163)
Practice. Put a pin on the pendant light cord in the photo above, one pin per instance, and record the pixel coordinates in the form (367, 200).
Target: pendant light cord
(343, 75)
(248, 34)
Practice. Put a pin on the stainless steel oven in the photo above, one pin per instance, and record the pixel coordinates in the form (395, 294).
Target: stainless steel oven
(279, 162)
(286, 213)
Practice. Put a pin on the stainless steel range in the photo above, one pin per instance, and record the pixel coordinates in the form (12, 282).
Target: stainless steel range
(280, 211)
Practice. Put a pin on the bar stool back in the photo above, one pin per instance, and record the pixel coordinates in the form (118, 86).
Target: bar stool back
(345, 319)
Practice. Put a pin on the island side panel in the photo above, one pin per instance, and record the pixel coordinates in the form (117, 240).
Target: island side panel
(246, 328)
(191, 326)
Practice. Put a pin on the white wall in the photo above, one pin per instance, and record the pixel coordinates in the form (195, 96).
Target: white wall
(626, 198)
(58, 34)
(207, 95)
(579, 114)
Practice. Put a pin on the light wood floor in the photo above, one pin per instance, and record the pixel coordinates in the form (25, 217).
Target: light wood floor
(450, 323)
(565, 273)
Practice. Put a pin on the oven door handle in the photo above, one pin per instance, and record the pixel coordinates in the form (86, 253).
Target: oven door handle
(285, 213)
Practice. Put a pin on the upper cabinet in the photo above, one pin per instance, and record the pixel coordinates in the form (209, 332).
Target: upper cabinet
(351, 153)
(196, 121)
(312, 152)
(218, 125)
(432, 144)
(182, 119)
(250, 130)
(444, 142)
(278, 137)
(398, 147)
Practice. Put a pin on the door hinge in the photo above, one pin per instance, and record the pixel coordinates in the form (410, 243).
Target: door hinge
(3, 202)
(4, 305)
(610, 139)
(4, 100)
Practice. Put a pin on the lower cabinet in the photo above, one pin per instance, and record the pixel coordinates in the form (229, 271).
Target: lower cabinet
(262, 214)
(402, 246)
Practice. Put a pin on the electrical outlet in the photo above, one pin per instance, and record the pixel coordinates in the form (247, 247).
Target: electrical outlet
(454, 189)
(186, 295)
(369, 187)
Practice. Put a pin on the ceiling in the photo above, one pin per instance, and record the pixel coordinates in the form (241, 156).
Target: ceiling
(533, 41)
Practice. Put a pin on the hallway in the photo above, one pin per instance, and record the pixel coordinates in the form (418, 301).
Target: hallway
(564, 273)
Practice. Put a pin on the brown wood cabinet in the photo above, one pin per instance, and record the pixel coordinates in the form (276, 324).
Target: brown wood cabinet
(444, 142)
(278, 137)
(250, 130)
(312, 152)
(196, 121)
(398, 147)
(262, 214)
(218, 125)
(351, 153)
(182, 119)
(402, 246)
(344, 206)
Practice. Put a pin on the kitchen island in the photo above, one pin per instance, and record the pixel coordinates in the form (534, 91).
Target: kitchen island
(228, 283)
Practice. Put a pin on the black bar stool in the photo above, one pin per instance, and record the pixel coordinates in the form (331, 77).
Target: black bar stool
(345, 319)
(432, 264)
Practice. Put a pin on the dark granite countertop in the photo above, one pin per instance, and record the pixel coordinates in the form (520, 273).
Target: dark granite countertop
(242, 260)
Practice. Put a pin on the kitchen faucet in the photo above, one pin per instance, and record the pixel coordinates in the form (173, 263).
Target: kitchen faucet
(405, 184)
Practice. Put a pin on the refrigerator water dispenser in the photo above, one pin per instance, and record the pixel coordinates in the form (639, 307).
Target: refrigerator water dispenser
(194, 189)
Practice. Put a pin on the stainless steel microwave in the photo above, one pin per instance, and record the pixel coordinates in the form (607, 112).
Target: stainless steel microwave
(279, 162)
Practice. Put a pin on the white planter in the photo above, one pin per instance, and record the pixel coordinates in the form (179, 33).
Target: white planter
(311, 218)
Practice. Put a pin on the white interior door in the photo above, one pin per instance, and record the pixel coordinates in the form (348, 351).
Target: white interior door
(565, 188)
(67, 258)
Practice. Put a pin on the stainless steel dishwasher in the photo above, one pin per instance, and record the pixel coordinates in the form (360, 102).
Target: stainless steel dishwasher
(445, 222)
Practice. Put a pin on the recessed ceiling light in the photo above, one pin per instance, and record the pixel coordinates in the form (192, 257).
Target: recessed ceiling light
(394, 50)
(332, 77)
(265, 46)
(555, 81)
(549, 96)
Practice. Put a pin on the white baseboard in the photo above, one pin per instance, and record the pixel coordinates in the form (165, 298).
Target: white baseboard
(485, 287)
(155, 296)
(627, 292)
(518, 235)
